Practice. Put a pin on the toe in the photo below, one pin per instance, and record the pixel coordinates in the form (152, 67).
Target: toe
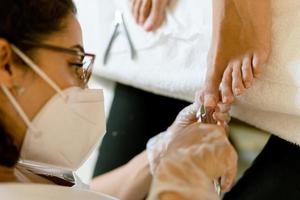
(157, 16)
(160, 20)
(237, 82)
(223, 108)
(247, 73)
(136, 10)
(221, 117)
(144, 11)
(258, 62)
(226, 86)
(154, 17)
(210, 102)
(151, 21)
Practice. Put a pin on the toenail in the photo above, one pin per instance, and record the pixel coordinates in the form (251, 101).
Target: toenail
(247, 84)
(257, 75)
(238, 91)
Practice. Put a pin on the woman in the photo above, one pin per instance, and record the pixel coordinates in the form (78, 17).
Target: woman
(41, 56)
(50, 121)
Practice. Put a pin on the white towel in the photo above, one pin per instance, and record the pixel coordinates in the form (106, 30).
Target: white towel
(172, 61)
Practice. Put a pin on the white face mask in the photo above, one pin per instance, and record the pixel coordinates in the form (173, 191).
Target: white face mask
(66, 130)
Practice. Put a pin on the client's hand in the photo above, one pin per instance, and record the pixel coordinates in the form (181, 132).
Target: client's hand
(149, 14)
(198, 155)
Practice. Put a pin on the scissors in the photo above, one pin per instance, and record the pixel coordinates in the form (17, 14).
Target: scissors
(118, 23)
(202, 117)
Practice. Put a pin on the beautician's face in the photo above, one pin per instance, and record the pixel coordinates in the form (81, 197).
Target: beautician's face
(37, 92)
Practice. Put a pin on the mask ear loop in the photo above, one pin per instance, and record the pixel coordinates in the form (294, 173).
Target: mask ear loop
(37, 70)
(18, 108)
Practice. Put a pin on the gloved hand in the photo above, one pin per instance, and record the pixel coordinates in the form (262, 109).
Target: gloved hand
(158, 145)
(197, 155)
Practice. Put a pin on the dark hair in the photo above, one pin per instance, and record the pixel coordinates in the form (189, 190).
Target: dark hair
(32, 20)
(28, 20)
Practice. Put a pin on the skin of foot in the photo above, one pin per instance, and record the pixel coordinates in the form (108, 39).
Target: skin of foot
(150, 14)
(240, 47)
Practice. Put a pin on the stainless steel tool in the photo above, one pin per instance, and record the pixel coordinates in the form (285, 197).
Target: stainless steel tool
(202, 117)
(119, 23)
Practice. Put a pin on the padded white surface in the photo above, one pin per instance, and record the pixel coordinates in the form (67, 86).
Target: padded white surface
(172, 61)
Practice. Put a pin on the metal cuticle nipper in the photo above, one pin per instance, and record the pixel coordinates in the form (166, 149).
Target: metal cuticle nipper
(119, 22)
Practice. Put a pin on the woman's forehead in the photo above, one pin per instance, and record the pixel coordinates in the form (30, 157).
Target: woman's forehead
(70, 35)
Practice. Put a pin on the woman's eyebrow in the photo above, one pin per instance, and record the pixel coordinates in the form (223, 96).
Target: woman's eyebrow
(78, 46)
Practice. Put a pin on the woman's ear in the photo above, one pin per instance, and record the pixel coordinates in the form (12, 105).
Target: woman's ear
(5, 63)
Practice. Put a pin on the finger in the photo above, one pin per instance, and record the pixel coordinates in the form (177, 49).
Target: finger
(225, 126)
(144, 11)
(237, 82)
(226, 87)
(247, 71)
(231, 166)
(199, 97)
(209, 118)
(229, 178)
(136, 10)
(188, 115)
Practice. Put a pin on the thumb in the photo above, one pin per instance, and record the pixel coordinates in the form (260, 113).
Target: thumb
(230, 171)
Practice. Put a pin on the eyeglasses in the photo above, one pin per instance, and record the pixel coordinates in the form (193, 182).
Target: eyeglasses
(84, 68)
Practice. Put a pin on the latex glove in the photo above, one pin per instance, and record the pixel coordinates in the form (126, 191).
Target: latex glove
(158, 145)
(219, 115)
(198, 154)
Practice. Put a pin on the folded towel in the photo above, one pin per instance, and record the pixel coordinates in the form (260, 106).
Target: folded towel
(172, 61)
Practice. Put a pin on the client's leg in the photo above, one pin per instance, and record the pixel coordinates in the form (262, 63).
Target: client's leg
(275, 174)
(241, 43)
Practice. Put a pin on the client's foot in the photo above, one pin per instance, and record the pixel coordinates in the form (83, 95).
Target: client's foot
(150, 14)
(241, 44)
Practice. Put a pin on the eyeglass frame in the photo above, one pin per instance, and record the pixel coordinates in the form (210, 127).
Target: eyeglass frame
(70, 51)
